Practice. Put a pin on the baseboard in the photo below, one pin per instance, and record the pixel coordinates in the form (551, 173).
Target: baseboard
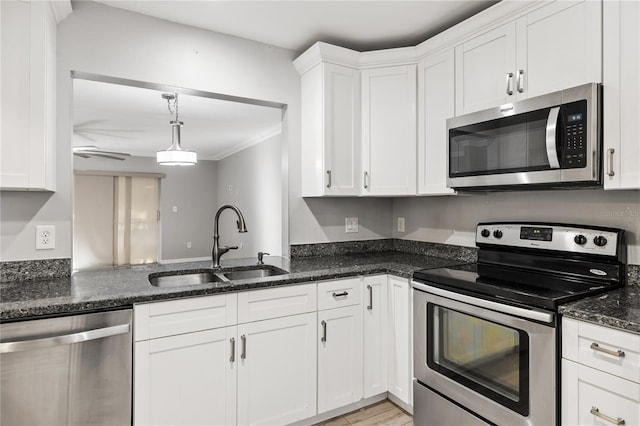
(340, 411)
(406, 407)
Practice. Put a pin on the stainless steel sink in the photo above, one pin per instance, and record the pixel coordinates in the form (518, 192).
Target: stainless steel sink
(204, 276)
(258, 271)
(184, 278)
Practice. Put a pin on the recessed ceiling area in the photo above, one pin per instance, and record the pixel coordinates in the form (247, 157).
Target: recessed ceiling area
(136, 120)
(296, 25)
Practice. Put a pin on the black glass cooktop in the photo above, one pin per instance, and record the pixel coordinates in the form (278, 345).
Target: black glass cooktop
(529, 288)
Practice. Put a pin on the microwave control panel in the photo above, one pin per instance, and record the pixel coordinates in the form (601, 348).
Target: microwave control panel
(573, 135)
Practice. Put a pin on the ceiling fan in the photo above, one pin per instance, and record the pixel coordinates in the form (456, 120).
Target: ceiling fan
(89, 151)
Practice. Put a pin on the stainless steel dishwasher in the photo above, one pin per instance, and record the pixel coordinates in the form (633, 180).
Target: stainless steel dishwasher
(71, 370)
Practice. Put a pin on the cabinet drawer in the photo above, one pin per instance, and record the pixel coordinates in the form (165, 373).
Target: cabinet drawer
(613, 351)
(598, 394)
(257, 305)
(334, 294)
(153, 320)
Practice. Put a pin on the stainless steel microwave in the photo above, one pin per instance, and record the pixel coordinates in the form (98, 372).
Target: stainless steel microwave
(548, 141)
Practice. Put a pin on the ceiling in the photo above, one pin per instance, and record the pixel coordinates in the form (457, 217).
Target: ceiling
(136, 121)
(360, 25)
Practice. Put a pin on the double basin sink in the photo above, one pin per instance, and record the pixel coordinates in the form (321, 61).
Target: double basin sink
(204, 276)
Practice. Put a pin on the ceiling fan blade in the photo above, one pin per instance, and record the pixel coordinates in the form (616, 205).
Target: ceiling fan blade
(80, 154)
(109, 156)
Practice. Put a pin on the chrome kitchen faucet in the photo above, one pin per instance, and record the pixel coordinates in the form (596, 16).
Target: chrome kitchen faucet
(217, 250)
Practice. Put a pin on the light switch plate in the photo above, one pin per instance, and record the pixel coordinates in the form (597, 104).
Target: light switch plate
(350, 224)
(401, 224)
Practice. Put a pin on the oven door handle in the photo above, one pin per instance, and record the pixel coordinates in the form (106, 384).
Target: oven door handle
(552, 152)
(488, 304)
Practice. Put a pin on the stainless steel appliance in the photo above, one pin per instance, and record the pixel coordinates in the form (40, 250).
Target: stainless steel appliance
(552, 140)
(72, 370)
(486, 335)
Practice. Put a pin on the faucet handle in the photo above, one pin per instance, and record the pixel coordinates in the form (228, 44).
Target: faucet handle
(260, 255)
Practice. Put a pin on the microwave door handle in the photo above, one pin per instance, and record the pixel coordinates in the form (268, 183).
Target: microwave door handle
(552, 153)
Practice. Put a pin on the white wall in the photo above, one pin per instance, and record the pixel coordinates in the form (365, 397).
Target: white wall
(453, 219)
(250, 179)
(108, 41)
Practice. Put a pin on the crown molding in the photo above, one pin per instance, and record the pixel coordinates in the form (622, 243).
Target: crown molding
(61, 9)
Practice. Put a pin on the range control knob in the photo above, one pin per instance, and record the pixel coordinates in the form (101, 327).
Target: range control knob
(485, 233)
(580, 239)
(600, 241)
(497, 233)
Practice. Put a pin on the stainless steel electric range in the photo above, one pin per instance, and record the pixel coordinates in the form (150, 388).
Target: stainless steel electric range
(487, 335)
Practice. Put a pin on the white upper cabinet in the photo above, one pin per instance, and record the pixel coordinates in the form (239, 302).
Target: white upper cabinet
(436, 92)
(558, 46)
(554, 47)
(621, 94)
(28, 79)
(389, 130)
(330, 130)
(485, 68)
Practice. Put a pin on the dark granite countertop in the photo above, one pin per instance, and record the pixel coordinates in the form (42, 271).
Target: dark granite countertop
(618, 308)
(121, 287)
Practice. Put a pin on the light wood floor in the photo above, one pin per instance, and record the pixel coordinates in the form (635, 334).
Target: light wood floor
(384, 413)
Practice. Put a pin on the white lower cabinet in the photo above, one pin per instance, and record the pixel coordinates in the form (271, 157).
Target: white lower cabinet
(339, 357)
(277, 370)
(374, 336)
(273, 356)
(600, 375)
(400, 340)
(187, 379)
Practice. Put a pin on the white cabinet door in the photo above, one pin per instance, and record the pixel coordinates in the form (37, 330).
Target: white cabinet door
(436, 93)
(330, 130)
(277, 370)
(28, 58)
(389, 130)
(374, 336)
(188, 379)
(485, 70)
(621, 94)
(559, 46)
(400, 339)
(339, 357)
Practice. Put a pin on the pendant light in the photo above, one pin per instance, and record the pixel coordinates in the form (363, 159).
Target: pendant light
(175, 155)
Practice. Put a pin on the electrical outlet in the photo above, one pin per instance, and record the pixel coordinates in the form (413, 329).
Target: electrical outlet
(45, 237)
(174, 209)
(401, 224)
(188, 244)
(350, 224)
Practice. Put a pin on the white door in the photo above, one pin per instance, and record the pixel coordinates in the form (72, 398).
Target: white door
(389, 131)
(374, 354)
(621, 94)
(187, 379)
(485, 70)
(339, 357)
(342, 129)
(559, 46)
(400, 339)
(436, 93)
(277, 370)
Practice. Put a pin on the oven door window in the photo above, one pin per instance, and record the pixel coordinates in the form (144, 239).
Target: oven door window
(484, 356)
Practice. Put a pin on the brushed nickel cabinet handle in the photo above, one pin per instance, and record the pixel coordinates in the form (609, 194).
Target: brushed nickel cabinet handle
(233, 350)
(243, 355)
(597, 413)
(366, 180)
(596, 347)
(370, 307)
(520, 84)
(324, 331)
(610, 153)
(328, 178)
(509, 78)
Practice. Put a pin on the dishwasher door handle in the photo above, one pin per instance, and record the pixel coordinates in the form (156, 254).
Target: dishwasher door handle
(65, 339)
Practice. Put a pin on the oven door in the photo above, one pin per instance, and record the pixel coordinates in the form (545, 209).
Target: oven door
(498, 361)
